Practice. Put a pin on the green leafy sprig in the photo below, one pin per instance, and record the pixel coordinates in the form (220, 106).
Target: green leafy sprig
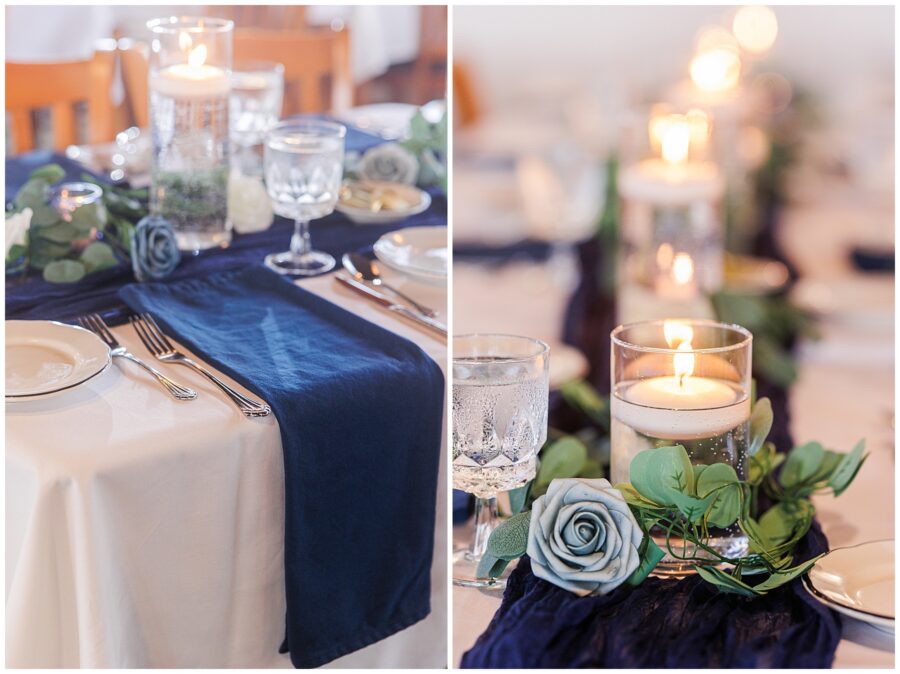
(685, 502)
(97, 236)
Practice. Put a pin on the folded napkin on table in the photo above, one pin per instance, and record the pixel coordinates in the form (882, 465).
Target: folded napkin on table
(360, 411)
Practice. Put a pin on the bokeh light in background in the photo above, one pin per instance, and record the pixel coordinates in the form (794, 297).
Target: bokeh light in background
(717, 70)
(755, 28)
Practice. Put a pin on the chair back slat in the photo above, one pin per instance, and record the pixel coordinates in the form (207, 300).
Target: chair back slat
(60, 86)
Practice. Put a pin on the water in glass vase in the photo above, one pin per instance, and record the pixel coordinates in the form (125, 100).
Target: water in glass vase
(710, 435)
(499, 424)
(190, 172)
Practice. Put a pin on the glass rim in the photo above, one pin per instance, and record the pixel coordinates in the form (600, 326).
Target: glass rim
(250, 65)
(543, 347)
(307, 127)
(78, 188)
(705, 322)
(172, 24)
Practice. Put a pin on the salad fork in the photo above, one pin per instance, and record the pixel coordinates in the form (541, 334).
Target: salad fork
(161, 348)
(97, 325)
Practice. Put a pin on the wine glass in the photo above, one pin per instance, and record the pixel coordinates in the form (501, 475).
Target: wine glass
(304, 162)
(257, 90)
(500, 393)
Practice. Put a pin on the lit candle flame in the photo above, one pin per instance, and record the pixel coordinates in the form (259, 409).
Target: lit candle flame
(683, 361)
(683, 269)
(676, 140)
(197, 56)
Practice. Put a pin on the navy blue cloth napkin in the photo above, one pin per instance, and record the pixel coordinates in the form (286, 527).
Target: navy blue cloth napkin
(660, 623)
(360, 411)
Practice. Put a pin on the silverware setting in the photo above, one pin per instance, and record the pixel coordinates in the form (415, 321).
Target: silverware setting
(380, 298)
(97, 325)
(363, 269)
(161, 348)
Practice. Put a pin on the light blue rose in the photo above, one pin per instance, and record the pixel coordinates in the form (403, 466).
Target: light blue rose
(583, 537)
(154, 251)
(389, 162)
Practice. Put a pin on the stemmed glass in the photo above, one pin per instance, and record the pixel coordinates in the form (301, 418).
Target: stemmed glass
(304, 162)
(257, 90)
(500, 394)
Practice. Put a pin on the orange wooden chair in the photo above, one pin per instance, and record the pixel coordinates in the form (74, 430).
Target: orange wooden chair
(60, 87)
(466, 102)
(274, 17)
(316, 65)
(430, 72)
(316, 68)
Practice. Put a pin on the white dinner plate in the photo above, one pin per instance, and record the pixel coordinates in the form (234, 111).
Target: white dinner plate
(420, 200)
(417, 251)
(388, 120)
(45, 358)
(857, 581)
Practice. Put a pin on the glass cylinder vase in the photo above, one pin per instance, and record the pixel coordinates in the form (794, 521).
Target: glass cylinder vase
(190, 70)
(682, 382)
(671, 225)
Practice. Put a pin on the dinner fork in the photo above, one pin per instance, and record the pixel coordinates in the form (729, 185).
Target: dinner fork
(97, 325)
(161, 348)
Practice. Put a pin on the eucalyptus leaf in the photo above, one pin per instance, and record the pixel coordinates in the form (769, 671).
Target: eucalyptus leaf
(847, 469)
(634, 498)
(44, 215)
(724, 581)
(49, 173)
(563, 458)
(773, 361)
(764, 462)
(591, 469)
(802, 463)
(783, 577)
(691, 507)
(649, 559)
(509, 539)
(33, 194)
(62, 232)
(721, 481)
(88, 217)
(760, 424)
(518, 498)
(584, 397)
(784, 524)
(64, 271)
(490, 567)
(97, 256)
(661, 473)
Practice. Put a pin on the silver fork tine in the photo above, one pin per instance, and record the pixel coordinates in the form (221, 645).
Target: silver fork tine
(92, 324)
(162, 349)
(158, 330)
(101, 325)
(145, 338)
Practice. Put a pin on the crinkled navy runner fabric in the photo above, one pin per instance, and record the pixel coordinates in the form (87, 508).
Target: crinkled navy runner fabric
(661, 623)
(360, 411)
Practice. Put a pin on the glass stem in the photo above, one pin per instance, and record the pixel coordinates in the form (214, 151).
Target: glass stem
(300, 240)
(486, 517)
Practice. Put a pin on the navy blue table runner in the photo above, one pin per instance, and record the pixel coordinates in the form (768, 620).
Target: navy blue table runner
(360, 411)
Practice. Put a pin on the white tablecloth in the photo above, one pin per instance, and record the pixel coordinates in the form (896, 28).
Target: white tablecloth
(143, 532)
(845, 389)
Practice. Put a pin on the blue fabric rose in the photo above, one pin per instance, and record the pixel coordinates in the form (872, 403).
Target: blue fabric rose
(154, 251)
(583, 537)
(389, 162)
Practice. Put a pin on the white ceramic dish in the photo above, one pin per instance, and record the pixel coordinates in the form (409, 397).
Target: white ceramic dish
(417, 251)
(388, 120)
(420, 200)
(45, 358)
(857, 581)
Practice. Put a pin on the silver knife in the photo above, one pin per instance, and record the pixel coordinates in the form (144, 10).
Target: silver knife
(376, 296)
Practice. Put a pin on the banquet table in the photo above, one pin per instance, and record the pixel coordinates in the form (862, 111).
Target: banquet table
(115, 482)
(147, 532)
(845, 388)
